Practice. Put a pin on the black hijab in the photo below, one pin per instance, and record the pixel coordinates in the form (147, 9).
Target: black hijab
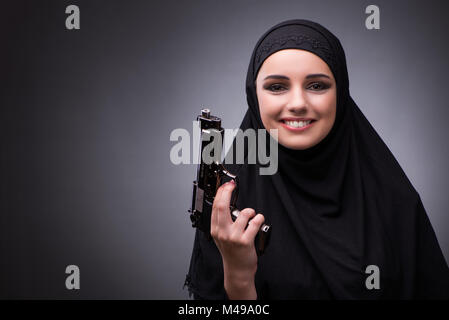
(335, 208)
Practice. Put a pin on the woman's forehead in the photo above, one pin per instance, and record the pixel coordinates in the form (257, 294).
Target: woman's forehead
(294, 62)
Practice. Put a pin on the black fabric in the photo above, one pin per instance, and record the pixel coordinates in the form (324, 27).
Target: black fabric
(335, 208)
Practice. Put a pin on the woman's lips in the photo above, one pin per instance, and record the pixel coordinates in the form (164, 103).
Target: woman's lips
(296, 129)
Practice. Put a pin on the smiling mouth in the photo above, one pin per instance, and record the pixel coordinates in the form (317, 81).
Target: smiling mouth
(294, 124)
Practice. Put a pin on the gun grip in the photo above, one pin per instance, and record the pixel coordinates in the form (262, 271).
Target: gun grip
(262, 239)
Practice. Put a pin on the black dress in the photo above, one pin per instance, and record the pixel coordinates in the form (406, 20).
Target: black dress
(336, 208)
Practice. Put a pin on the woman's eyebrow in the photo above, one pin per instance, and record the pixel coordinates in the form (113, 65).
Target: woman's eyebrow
(277, 76)
(314, 75)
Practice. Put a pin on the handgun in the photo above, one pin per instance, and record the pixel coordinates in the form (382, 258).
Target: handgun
(210, 176)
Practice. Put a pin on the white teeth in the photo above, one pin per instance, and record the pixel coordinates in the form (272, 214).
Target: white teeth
(298, 124)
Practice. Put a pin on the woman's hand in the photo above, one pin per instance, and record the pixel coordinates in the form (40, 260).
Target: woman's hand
(236, 244)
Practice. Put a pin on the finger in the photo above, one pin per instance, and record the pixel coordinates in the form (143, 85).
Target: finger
(253, 227)
(242, 220)
(214, 216)
(224, 216)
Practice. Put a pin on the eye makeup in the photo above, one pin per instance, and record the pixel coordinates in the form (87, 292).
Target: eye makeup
(280, 87)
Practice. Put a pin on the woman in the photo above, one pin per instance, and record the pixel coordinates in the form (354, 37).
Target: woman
(346, 221)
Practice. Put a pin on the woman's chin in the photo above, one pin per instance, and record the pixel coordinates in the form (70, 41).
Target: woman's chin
(295, 145)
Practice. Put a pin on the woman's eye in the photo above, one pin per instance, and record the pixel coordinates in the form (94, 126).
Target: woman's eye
(275, 87)
(318, 86)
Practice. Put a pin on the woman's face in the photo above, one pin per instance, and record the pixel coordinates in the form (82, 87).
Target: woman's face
(297, 95)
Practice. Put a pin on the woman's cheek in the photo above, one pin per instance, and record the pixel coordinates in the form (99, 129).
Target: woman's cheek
(271, 100)
(324, 105)
(271, 107)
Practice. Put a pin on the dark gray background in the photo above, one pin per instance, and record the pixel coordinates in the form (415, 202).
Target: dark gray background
(86, 117)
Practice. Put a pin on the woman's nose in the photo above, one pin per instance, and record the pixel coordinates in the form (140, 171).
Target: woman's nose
(297, 102)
